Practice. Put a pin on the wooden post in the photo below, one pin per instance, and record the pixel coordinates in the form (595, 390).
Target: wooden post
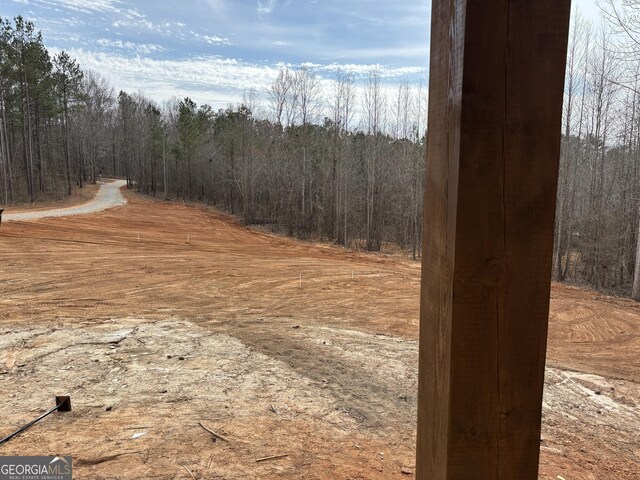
(493, 143)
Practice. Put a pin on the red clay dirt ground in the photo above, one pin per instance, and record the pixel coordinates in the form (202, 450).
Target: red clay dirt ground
(282, 347)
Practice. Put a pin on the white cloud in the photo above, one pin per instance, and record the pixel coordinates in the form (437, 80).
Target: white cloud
(134, 13)
(212, 80)
(140, 48)
(215, 40)
(136, 22)
(265, 7)
(211, 39)
(87, 6)
(364, 69)
(117, 39)
(216, 5)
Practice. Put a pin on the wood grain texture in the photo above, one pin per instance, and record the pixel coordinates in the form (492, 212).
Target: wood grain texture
(496, 90)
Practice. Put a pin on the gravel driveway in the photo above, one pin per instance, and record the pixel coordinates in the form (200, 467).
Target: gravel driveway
(108, 196)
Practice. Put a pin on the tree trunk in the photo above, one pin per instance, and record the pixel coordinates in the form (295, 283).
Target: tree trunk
(635, 294)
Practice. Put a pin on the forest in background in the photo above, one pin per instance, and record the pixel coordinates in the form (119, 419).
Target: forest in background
(308, 169)
(338, 160)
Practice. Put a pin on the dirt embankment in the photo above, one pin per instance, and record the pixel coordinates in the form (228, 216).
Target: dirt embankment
(158, 315)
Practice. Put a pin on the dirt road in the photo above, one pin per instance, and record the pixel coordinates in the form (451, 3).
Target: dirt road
(157, 316)
(108, 196)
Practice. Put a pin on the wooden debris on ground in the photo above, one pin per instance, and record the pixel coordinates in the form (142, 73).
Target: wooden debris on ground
(189, 471)
(272, 457)
(215, 435)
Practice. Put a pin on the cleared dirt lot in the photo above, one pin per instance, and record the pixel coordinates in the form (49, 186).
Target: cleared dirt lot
(156, 316)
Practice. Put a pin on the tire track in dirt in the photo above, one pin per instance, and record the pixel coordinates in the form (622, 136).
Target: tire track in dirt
(349, 371)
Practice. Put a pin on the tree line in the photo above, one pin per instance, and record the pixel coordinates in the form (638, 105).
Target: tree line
(338, 160)
(37, 94)
(598, 217)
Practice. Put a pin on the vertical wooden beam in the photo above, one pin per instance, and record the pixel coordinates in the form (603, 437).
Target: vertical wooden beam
(493, 142)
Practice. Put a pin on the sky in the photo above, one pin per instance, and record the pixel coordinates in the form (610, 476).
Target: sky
(215, 50)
